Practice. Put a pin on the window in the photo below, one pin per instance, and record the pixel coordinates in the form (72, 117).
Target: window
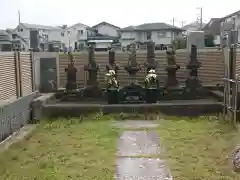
(68, 33)
(20, 30)
(149, 35)
(14, 36)
(80, 32)
(161, 34)
(62, 34)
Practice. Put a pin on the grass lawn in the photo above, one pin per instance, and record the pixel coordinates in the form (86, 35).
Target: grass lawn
(62, 150)
(199, 149)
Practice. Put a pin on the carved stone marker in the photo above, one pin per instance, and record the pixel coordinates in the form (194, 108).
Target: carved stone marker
(112, 62)
(132, 67)
(71, 71)
(92, 68)
(192, 82)
(171, 68)
(151, 63)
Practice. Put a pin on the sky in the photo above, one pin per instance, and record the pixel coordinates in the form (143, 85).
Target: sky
(120, 13)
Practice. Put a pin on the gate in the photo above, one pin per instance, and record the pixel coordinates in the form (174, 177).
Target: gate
(48, 75)
(231, 82)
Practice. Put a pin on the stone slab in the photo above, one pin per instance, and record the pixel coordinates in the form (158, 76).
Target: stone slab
(136, 124)
(142, 169)
(137, 143)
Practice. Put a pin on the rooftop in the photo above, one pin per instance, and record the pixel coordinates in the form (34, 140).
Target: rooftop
(105, 23)
(152, 27)
(195, 24)
(37, 26)
(213, 26)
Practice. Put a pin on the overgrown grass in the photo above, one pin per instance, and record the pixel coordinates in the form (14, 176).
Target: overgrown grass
(63, 149)
(199, 149)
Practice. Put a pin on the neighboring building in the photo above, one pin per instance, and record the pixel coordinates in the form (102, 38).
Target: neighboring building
(194, 26)
(230, 22)
(107, 29)
(76, 36)
(17, 41)
(45, 33)
(9, 40)
(160, 33)
(5, 41)
(79, 36)
(213, 28)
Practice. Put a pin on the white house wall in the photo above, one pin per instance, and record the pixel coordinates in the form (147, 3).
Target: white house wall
(74, 35)
(55, 35)
(142, 37)
(129, 35)
(25, 34)
(107, 30)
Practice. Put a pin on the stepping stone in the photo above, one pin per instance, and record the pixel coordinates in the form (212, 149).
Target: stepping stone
(141, 169)
(136, 124)
(137, 143)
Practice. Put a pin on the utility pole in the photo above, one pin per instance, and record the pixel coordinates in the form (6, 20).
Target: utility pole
(182, 22)
(173, 21)
(19, 17)
(201, 17)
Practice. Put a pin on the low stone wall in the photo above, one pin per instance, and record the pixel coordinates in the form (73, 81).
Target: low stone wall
(15, 114)
(189, 108)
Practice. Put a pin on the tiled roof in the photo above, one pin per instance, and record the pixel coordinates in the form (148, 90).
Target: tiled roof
(213, 26)
(106, 23)
(151, 26)
(37, 26)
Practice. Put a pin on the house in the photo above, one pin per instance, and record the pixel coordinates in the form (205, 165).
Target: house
(107, 29)
(213, 28)
(76, 36)
(5, 41)
(9, 40)
(43, 34)
(161, 33)
(230, 22)
(17, 41)
(193, 26)
(79, 36)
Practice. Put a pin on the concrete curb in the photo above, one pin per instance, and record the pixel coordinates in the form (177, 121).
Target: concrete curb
(17, 136)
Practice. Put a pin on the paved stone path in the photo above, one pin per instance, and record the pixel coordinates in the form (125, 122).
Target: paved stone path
(133, 146)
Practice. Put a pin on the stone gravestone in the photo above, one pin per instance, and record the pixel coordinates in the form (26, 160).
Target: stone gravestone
(92, 89)
(112, 62)
(132, 67)
(71, 71)
(192, 82)
(151, 63)
(92, 68)
(171, 68)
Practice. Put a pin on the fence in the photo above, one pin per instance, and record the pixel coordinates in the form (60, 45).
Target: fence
(16, 91)
(210, 73)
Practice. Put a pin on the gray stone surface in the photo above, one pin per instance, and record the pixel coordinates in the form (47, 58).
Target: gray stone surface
(141, 169)
(135, 124)
(136, 143)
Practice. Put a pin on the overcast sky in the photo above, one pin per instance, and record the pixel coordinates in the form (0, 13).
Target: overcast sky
(120, 13)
